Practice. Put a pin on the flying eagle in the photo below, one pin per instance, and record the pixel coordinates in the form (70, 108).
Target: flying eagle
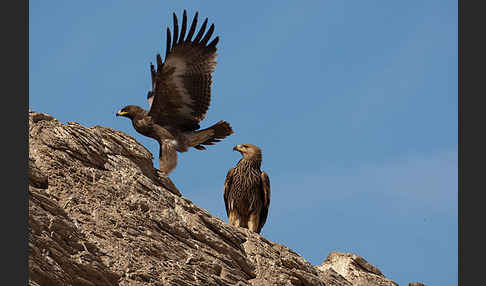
(247, 190)
(180, 95)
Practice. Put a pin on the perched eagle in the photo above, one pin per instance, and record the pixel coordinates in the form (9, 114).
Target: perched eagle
(247, 190)
(180, 95)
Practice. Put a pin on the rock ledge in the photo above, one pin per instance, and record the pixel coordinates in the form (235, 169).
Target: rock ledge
(100, 214)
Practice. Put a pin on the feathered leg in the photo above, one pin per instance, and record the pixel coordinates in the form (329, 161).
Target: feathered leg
(167, 156)
(253, 222)
(234, 219)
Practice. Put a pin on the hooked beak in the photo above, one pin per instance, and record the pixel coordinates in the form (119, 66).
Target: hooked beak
(121, 113)
(236, 148)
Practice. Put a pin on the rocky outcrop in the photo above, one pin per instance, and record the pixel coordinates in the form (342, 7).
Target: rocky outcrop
(100, 214)
(354, 269)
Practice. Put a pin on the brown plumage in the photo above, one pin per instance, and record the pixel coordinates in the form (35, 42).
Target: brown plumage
(180, 95)
(247, 190)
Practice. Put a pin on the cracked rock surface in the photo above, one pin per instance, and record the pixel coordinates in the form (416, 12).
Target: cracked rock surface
(101, 214)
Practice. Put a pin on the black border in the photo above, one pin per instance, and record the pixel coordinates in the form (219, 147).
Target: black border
(471, 119)
(15, 54)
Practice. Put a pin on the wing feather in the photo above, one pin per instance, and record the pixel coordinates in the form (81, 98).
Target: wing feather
(201, 31)
(167, 47)
(152, 74)
(213, 43)
(159, 65)
(192, 29)
(181, 85)
(266, 199)
(183, 29)
(205, 40)
(176, 30)
(227, 188)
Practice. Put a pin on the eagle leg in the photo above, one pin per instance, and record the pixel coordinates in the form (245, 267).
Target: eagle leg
(167, 156)
(236, 220)
(253, 222)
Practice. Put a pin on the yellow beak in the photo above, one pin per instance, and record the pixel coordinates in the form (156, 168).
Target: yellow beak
(121, 113)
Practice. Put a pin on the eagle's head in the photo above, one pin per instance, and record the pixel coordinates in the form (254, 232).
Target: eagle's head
(130, 111)
(249, 151)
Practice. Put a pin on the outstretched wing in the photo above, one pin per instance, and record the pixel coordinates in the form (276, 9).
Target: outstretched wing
(227, 188)
(181, 85)
(266, 200)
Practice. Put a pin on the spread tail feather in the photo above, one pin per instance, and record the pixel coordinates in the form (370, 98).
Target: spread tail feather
(212, 134)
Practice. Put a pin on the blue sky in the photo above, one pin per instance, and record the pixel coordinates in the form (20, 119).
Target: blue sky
(354, 104)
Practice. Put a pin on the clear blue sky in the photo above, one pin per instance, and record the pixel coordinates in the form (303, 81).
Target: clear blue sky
(354, 104)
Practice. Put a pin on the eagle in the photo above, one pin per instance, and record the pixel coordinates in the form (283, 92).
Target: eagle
(180, 95)
(247, 190)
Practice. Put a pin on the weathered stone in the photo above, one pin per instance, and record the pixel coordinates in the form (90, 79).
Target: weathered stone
(100, 214)
(355, 269)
